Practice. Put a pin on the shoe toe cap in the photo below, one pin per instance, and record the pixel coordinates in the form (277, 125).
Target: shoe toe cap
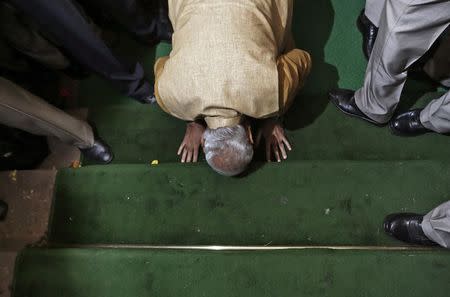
(106, 157)
(341, 95)
(104, 153)
(390, 224)
(395, 124)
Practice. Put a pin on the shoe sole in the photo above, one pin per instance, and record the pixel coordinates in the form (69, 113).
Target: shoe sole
(368, 120)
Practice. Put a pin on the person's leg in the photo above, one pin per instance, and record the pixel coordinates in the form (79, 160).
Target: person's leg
(373, 10)
(63, 21)
(28, 41)
(146, 20)
(436, 225)
(407, 30)
(436, 115)
(368, 22)
(22, 110)
(438, 67)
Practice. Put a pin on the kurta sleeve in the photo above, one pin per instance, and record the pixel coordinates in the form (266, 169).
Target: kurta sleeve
(293, 69)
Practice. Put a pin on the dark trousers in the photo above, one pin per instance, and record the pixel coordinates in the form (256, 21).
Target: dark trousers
(143, 18)
(64, 23)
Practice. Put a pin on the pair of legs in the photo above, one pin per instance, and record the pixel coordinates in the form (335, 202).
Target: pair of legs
(22, 110)
(437, 67)
(407, 30)
(432, 228)
(65, 24)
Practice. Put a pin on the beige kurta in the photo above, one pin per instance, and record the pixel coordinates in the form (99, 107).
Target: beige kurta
(230, 58)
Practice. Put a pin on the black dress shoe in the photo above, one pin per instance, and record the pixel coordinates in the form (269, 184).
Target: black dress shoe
(100, 152)
(407, 227)
(345, 100)
(408, 124)
(369, 32)
(3, 210)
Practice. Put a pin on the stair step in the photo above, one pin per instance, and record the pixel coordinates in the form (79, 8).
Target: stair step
(296, 203)
(140, 134)
(313, 273)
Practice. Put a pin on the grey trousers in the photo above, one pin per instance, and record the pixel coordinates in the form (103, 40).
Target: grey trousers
(436, 224)
(438, 66)
(407, 29)
(22, 110)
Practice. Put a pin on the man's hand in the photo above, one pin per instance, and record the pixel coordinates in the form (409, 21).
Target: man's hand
(275, 139)
(191, 143)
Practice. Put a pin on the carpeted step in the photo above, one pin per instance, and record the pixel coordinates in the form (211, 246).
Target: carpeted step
(312, 273)
(306, 203)
(139, 133)
(142, 133)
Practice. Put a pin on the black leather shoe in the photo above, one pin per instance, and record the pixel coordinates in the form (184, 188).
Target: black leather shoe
(100, 152)
(369, 33)
(345, 100)
(408, 124)
(407, 227)
(3, 210)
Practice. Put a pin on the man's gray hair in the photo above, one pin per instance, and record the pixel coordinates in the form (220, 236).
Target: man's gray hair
(228, 150)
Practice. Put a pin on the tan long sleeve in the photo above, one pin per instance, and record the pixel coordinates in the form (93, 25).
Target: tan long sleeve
(158, 68)
(293, 69)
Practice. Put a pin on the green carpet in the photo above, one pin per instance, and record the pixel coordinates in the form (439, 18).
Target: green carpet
(140, 134)
(308, 273)
(313, 203)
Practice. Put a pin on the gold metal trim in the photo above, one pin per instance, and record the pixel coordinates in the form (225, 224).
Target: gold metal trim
(240, 248)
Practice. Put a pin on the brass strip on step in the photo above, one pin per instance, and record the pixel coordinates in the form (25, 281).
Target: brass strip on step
(241, 248)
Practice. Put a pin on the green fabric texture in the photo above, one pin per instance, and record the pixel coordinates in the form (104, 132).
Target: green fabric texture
(312, 203)
(309, 273)
(142, 133)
